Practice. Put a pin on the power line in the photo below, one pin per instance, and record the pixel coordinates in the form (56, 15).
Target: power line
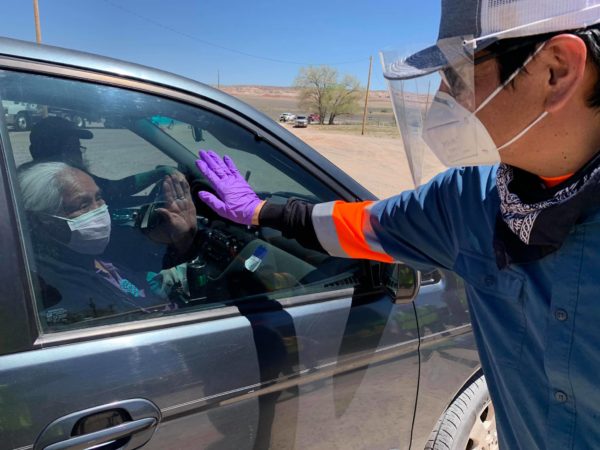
(221, 47)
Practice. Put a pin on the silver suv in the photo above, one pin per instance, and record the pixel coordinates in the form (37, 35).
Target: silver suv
(301, 121)
(245, 339)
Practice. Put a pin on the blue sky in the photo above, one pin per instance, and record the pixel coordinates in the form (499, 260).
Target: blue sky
(247, 42)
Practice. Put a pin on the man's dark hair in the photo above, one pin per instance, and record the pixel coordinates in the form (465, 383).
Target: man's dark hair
(511, 54)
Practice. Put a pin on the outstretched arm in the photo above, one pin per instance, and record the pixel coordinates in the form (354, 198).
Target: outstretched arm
(334, 228)
(135, 183)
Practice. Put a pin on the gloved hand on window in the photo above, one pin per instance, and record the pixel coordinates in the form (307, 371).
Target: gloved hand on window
(236, 200)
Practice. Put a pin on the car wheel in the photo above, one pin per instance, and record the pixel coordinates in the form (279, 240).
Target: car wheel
(469, 423)
(78, 121)
(22, 122)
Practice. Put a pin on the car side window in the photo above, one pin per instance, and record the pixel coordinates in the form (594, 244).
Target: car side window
(107, 188)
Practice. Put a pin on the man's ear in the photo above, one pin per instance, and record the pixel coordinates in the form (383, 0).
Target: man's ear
(565, 58)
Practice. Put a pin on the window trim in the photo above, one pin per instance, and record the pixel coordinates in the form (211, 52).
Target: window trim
(17, 293)
(186, 318)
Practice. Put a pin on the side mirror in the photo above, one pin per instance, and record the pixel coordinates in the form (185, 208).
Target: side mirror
(402, 282)
(197, 134)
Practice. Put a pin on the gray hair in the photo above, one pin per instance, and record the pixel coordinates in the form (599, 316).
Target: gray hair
(42, 186)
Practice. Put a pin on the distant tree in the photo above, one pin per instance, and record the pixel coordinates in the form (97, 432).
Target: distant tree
(321, 92)
(315, 84)
(344, 98)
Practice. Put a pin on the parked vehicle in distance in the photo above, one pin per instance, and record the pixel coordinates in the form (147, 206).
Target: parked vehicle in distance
(314, 117)
(21, 115)
(251, 340)
(284, 116)
(301, 121)
(78, 118)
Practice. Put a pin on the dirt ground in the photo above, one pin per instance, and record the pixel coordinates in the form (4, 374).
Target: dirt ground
(377, 163)
(375, 160)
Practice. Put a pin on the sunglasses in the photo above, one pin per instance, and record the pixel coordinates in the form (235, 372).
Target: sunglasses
(456, 78)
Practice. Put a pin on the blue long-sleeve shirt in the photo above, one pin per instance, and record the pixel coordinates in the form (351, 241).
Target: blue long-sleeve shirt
(536, 324)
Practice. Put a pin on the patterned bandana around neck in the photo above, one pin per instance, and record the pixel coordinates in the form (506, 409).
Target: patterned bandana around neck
(534, 221)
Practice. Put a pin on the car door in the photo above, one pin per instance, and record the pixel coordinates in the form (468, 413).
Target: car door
(304, 351)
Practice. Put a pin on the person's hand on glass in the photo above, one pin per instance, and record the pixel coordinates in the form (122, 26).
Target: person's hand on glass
(235, 199)
(179, 223)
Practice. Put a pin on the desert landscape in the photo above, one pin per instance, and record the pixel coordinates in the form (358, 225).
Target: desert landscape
(376, 160)
(274, 100)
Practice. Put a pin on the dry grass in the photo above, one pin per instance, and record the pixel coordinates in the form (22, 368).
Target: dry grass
(389, 130)
(273, 101)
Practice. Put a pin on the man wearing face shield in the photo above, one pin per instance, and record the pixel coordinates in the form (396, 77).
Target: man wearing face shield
(72, 227)
(509, 98)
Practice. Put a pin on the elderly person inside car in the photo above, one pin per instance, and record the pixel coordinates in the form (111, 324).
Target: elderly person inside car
(71, 228)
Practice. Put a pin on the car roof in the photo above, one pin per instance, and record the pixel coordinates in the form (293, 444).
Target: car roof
(82, 60)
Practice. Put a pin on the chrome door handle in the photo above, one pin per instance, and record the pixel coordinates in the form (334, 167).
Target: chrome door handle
(133, 421)
(104, 436)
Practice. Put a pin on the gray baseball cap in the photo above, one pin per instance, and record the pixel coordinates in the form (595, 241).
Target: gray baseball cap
(479, 23)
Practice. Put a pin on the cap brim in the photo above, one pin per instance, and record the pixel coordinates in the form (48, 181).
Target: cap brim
(416, 65)
(424, 62)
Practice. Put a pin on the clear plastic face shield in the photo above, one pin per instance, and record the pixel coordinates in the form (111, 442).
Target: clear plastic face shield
(437, 112)
(438, 92)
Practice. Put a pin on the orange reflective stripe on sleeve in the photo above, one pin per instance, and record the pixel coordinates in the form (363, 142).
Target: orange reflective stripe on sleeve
(351, 221)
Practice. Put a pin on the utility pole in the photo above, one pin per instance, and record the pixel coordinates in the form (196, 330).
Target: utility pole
(36, 15)
(367, 95)
(38, 39)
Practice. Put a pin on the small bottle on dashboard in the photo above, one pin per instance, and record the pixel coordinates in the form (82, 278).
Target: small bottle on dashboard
(197, 278)
(254, 262)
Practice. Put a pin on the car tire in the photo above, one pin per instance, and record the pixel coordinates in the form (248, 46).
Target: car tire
(22, 122)
(468, 423)
(77, 120)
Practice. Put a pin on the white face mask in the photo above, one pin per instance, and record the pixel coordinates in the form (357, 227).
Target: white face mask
(90, 232)
(458, 137)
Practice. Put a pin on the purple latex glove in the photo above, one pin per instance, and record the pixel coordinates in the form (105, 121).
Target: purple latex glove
(236, 200)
